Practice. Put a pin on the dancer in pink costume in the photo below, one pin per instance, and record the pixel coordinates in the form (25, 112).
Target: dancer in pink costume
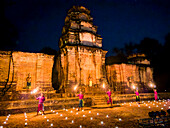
(41, 103)
(155, 94)
(137, 96)
(109, 98)
(81, 102)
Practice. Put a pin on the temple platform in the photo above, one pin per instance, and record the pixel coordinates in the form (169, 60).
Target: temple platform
(105, 106)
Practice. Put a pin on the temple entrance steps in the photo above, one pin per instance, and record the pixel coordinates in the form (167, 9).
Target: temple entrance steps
(99, 100)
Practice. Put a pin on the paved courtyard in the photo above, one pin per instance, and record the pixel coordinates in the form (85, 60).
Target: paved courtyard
(125, 116)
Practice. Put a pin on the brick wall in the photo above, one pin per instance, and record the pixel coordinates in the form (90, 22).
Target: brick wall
(38, 65)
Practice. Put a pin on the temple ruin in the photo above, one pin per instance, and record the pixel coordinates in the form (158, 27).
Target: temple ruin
(80, 62)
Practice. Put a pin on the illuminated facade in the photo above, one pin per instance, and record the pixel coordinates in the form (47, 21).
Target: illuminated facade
(136, 72)
(17, 69)
(81, 63)
(81, 60)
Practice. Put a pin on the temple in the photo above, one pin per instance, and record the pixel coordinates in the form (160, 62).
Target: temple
(82, 60)
(80, 64)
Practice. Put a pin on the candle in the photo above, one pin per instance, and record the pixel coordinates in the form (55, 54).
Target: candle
(26, 123)
(91, 118)
(51, 124)
(101, 122)
(72, 121)
(97, 113)
(120, 119)
(66, 118)
(107, 116)
(47, 120)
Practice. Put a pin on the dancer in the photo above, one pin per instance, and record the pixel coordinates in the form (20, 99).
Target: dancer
(81, 103)
(156, 95)
(137, 96)
(41, 103)
(109, 98)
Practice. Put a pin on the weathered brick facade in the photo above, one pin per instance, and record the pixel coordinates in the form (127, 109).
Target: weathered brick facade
(81, 62)
(19, 64)
(123, 76)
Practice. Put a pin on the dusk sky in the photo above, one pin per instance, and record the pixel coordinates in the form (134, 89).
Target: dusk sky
(39, 22)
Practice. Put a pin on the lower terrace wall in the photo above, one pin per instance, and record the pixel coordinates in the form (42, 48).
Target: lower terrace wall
(21, 106)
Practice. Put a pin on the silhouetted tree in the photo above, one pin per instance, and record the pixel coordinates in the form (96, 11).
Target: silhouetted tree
(49, 51)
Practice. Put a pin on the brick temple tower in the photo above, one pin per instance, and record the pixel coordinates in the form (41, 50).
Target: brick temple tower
(82, 60)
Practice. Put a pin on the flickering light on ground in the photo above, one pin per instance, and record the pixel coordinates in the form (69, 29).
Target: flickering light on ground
(25, 119)
(71, 111)
(97, 113)
(101, 122)
(4, 122)
(83, 110)
(56, 112)
(73, 107)
(26, 123)
(91, 118)
(120, 119)
(89, 111)
(107, 116)
(83, 115)
(72, 121)
(51, 124)
(47, 120)
(162, 108)
(80, 126)
(66, 109)
(66, 118)
(61, 115)
(1, 126)
(76, 113)
(6, 118)
(44, 116)
(149, 107)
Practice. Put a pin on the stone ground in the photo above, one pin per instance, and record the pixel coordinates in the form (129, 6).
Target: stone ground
(125, 116)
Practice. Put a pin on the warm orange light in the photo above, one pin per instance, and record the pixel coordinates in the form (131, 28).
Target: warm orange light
(133, 86)
(75, 87)
(34, 91)
(103, 85)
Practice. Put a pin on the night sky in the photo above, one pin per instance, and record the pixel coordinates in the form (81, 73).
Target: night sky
(39, 22)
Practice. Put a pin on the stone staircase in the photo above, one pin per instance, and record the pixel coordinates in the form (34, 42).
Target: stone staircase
(100, 100)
